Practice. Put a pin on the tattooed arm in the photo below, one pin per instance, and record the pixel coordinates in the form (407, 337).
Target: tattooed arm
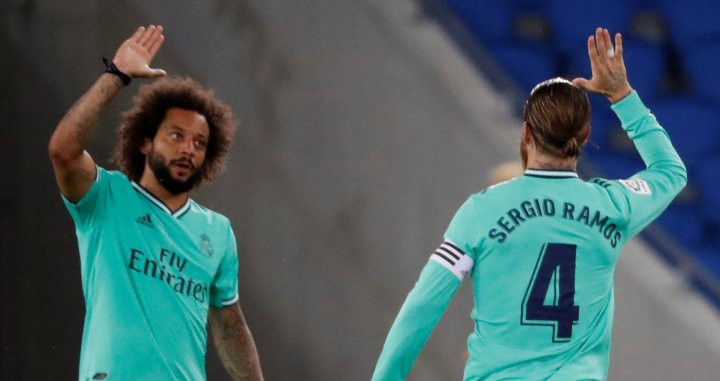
(234, 343)
(73, 166)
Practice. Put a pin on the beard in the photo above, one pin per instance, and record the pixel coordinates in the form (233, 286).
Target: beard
(161, 169)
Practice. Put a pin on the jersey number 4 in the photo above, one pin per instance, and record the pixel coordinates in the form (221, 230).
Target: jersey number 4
(550, 296)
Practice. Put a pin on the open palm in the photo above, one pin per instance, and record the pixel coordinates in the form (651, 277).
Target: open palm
(133, 57)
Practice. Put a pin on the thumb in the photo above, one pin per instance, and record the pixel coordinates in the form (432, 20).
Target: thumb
(581, 83)
(154, 73)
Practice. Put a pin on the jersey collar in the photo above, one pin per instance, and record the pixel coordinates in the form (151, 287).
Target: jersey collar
(160, 204)
(550, 173)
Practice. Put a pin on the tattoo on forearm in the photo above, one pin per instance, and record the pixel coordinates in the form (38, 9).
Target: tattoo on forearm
(84, 115)
(84, 130)
(87, 119)
(235, 345)
(232, 327)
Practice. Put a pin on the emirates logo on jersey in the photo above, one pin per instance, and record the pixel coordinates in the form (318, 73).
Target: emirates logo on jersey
(205, 245)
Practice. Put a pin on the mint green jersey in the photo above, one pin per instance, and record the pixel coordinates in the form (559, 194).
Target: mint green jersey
(149, 276)
(541, 250)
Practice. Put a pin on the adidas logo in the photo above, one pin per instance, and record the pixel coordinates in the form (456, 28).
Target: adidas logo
(145, 220)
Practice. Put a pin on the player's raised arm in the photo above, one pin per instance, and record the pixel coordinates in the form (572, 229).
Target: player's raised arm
(74, 168)
(648, 192)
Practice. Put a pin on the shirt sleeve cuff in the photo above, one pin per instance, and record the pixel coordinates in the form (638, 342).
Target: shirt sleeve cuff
(630, 109)
(231, 301)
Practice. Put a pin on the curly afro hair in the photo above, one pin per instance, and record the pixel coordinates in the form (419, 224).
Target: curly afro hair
(149, 108)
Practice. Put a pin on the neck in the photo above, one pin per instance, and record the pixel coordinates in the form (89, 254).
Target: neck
(151, 183)
(537, 160)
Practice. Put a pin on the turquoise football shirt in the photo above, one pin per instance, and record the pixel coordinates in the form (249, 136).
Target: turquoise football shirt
(149, 276)
(541, 250)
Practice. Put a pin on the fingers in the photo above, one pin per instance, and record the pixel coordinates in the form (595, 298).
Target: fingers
(146, 35)
(618, 45)
(148, 72)
(155, 41)
(592, 52)
(582, 83)
(156, 45)
(137, 52)
(138, 33)
(149, 35)
(150, 38)
(601, 46)
(157, 32)
(610, 52)
(154, 73)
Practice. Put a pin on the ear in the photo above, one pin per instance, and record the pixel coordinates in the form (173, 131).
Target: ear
(589, 134)
(146, 146)
(526, 135)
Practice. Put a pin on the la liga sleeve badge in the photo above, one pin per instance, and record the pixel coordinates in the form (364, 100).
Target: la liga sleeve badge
(638, 186)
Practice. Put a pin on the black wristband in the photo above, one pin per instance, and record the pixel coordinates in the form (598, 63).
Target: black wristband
(112, 69)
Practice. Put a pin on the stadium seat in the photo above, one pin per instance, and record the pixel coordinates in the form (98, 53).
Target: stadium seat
(691, 21)
(700, 62)
(573, 21)
(615, 167)
(693, 126)
(648, 24)
(527, 64)
(487, 20)
(527, 5)
(642, 5)
(709, 259)
(603, 121)
(644, 62)
(707, 177)
(685, 223)
(692, 122)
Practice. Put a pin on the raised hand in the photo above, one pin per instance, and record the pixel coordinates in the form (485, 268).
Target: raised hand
(609, 76)
(133, 57)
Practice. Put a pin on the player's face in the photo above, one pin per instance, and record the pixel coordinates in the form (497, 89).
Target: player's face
(178, 149)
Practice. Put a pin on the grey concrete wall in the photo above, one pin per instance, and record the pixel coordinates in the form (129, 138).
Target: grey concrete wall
(362, 130)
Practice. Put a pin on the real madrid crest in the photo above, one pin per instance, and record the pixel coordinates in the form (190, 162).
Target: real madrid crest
(205, 245)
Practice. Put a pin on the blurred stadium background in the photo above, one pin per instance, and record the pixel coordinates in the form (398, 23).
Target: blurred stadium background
(364, 125)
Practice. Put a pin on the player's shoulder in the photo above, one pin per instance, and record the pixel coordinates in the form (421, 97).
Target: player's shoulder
(208, 215)
(493, 196)
(498, 190)
(113, 183)
(112, 176)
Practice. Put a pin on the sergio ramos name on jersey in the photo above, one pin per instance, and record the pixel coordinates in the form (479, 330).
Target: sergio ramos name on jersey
(535, 208)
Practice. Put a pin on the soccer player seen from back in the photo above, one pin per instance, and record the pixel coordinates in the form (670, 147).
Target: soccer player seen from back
(155, 265)
(541, 248)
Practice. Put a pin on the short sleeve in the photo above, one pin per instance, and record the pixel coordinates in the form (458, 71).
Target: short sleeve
(224, 289)
(91, 206)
